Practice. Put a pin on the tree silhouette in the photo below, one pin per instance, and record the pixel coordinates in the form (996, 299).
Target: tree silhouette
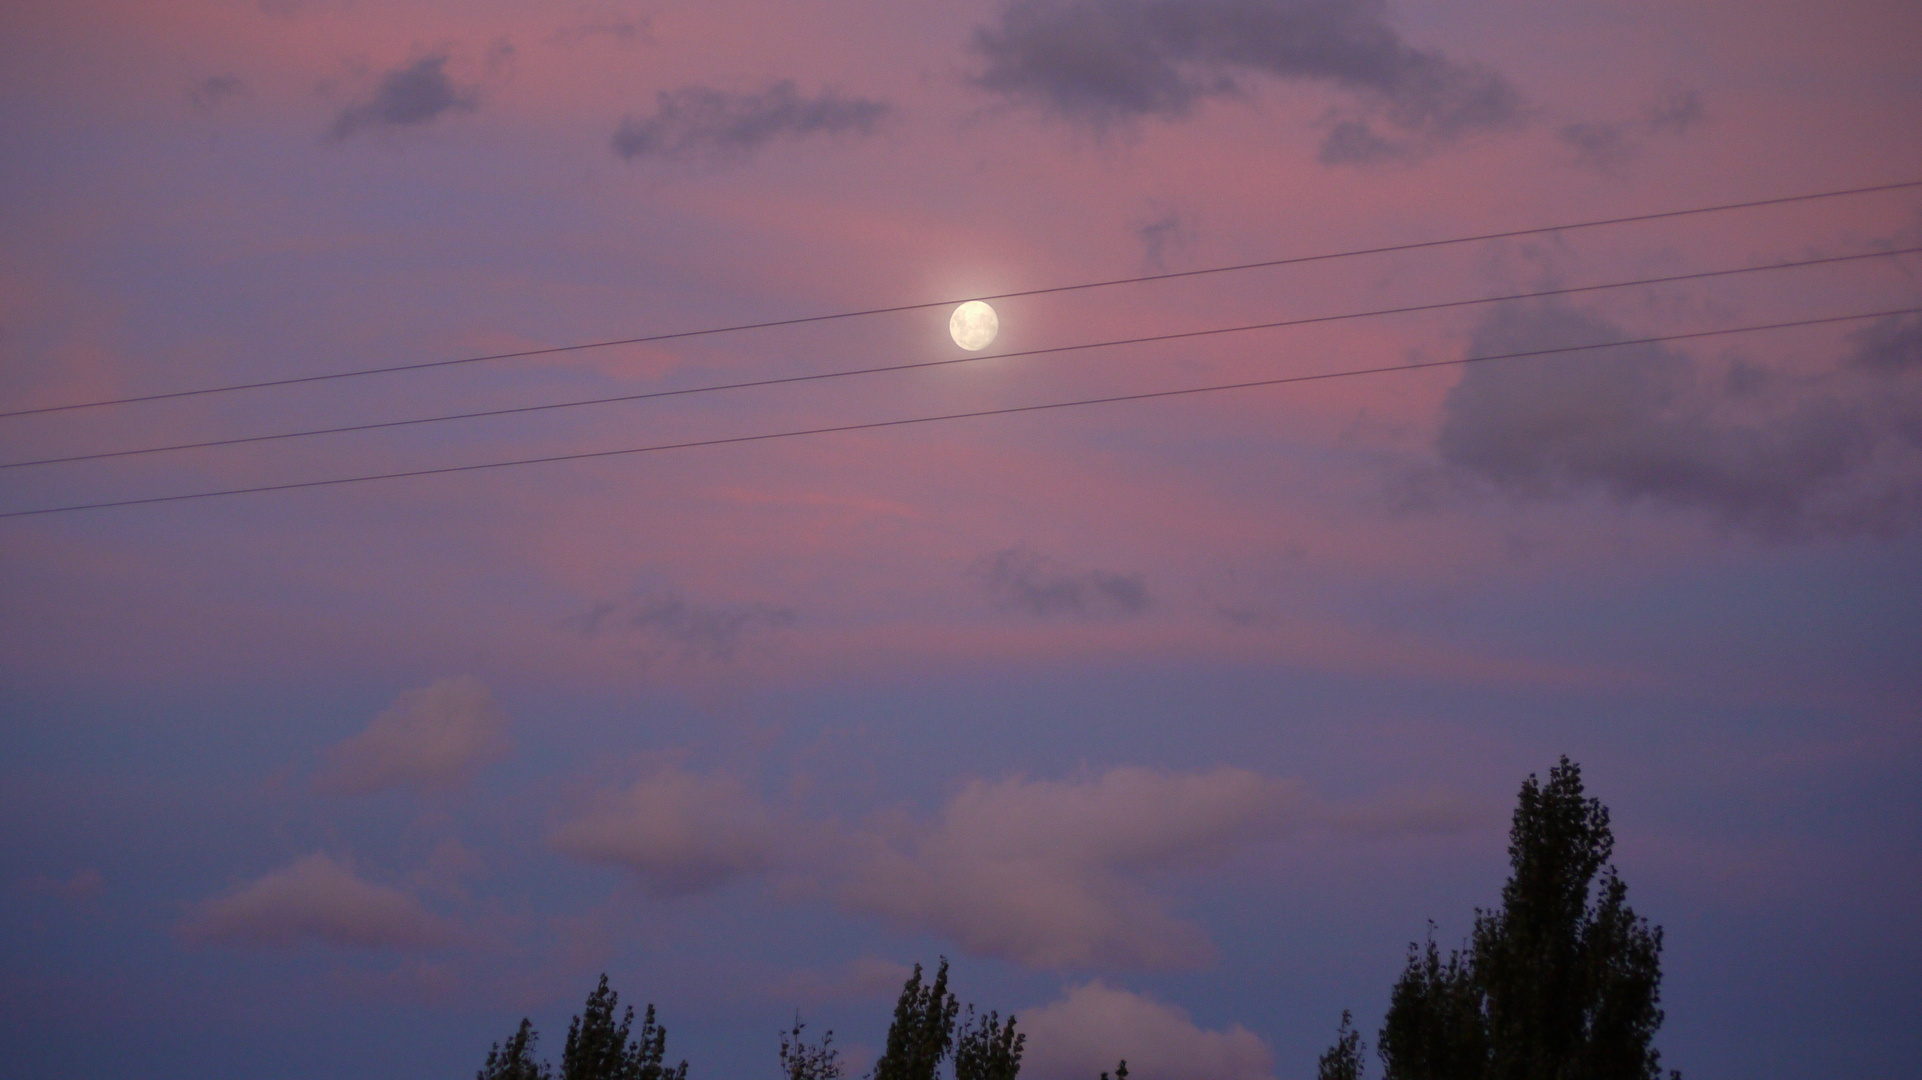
(1561, 983)
(515, 1059)
(802, 1060)
(988, 1049)
(599, 1049)
(922, 1031)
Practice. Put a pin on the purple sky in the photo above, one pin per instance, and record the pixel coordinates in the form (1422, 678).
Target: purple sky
(1169, 722)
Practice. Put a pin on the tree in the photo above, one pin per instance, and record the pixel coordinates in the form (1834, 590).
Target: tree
(1343, 1060)
(599, 1049)
(988, 1049)
(922, 1031)
(1561, 983)
(515, 1060)
(801, 1060)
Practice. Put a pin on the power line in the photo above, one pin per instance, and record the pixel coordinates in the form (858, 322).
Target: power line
(922, 365)
(1007, 411)
(800, 320)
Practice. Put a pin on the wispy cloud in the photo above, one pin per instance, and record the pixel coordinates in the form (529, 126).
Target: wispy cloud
(670, 623)
(1017, 579)
(699, 122)
(215, 89)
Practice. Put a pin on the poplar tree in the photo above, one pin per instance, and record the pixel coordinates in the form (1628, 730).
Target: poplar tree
(514, 1060)
(922, 1031)
(599, 1049)
(1562, 982)
(988, 1049)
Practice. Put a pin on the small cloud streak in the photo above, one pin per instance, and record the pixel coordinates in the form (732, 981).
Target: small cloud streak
(1094, 1025)
(316, 899)
(1100, 62)
(681, 832)
(696, 121)
(1605, 146)
(215, 89)
(675, 624)
(411, 95)
(433, 739)
(1020, 580)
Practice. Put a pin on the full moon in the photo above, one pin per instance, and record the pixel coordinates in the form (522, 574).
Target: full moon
(973, 325)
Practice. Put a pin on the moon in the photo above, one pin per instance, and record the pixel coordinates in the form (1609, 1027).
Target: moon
(973, 325)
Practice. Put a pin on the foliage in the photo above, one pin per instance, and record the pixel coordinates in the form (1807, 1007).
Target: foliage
(801, 1060)
(922, 1031)
(1561, 983)
(515, 1060)
(1343, 1060)
(1120, 1071)
(988, 1049)
(599, 1049)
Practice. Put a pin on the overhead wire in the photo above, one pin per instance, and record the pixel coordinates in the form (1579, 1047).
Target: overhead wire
(927, 364)
(805, 319)
(874, 425)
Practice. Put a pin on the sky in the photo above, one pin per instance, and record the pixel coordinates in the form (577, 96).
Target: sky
(1169, 722)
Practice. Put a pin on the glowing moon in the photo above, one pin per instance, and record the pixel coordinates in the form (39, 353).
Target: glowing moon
(973, 325)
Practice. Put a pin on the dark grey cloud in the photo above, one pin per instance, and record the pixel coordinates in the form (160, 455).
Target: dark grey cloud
(215, 89)
(1776, 455)
(696, 121)
(1101, 61)
(415, 93)
(670, 623)
(1676, 111)
(1607, 145)
(1017, 579)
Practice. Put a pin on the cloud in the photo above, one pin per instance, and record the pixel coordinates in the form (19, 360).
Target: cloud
(1103, 61)
(696, 121)
(1605, 146)
(1050, 873)
(1020, 580)
(1095, 1025)
(1779, 456)
(85, 884)
(408, 96)
(674, 624)
(433, 739)
(862, 978)
(320, 900)
(682, 832)
(215, 89)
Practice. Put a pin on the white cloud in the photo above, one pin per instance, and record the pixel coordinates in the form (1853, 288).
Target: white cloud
(317, 899)
(682, 832)
(1095, 1025)
(432, 739)
(1049, 873)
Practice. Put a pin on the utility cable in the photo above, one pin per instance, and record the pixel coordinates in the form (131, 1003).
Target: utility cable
(921, 365)
(801, 320)
(873, 425)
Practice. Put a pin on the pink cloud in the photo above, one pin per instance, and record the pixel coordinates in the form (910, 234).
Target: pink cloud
(1051, 873)
(1095, 1025)
(431, 739)
(680, 831)
(317, 899)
